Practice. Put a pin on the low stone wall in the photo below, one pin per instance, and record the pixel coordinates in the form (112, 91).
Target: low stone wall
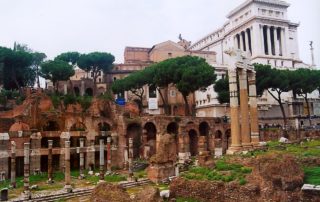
(275, 134)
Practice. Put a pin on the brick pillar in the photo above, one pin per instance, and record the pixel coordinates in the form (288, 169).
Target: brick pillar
(27, 193)
(244, 110)
(109, 154)
(13, 164)
(101, 159)
(67, 175)
(50, 177)
(35, 155)
(234, 113)
(81, 158)
(253, 109)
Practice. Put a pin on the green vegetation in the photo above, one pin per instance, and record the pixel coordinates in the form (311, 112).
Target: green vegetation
(140, 174)
(187, 73)
(223, 171)
(312, 175)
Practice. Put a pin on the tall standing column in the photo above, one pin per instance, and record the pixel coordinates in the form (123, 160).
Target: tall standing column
(246, 33)
(276, 41)
(109, 154)
(13, 164)
(283, 42)
(241, 41)
(81, 158)
(234, 113)
(130, 159)
(244, 110)
(263, 48)
(269, 42)
(253, 109)
(27, 193)
(67, 176)
(50, 177)
(101, 160)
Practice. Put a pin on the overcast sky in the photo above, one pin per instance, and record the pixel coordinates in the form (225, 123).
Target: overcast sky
(56, 26)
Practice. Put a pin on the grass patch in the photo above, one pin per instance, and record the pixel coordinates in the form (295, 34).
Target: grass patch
(223, 171)
(312, 175)
(140, 174)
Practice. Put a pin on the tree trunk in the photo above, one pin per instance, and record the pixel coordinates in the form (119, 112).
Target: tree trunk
(186, 106)
(38, 77)
(165, 106)
(308, 108)
(281, 107)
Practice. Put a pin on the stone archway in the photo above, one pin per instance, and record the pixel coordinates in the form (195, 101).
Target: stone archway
(193, 142)
(76, 91)
(134, 131)
(89, 92)
(204, 131)
(226, 141)
(173, 129)
(104, 126)
(218, 139)
(51, 126)
(149, 139)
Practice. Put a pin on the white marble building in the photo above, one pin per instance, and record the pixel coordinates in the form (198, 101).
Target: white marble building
(260, 28)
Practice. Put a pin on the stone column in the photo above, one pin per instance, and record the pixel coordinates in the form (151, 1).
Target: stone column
(283, 44)
(82, 90)
(269, 42)
(241, 41)
(81, 158)
(65, 88)
(276, 41)
(247, 40)
(109, 154)
(67, 178)
(27, 193)
(262, 39)
(244, 109)
(13, 164)
(253, 109)
(130, 158)
(50, 177)
(101, 178)
(234, 113)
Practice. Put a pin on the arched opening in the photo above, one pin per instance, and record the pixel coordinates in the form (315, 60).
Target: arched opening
(134, 131)
(89, 92)
(172, 128)
(79, 126)
(76, 91)
(226, 141)
(51, 126)
(150, 144)
(218, 139)
(204, 129)
(104, 126)
(193, 142)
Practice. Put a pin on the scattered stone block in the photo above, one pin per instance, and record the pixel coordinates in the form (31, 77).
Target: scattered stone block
(165, 194)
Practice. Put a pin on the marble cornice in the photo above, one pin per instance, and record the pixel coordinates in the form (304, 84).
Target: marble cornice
(260, 19)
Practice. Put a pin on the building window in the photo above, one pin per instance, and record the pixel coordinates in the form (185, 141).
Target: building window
(268, 62)
(114, 78)
(282, 63)
(152, 91)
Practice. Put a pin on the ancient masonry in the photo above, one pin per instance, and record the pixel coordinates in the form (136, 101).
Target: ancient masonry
(39, 139)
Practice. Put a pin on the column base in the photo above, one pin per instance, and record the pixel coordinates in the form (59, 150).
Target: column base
(246, 146)
(234, 149)
(68, 188)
